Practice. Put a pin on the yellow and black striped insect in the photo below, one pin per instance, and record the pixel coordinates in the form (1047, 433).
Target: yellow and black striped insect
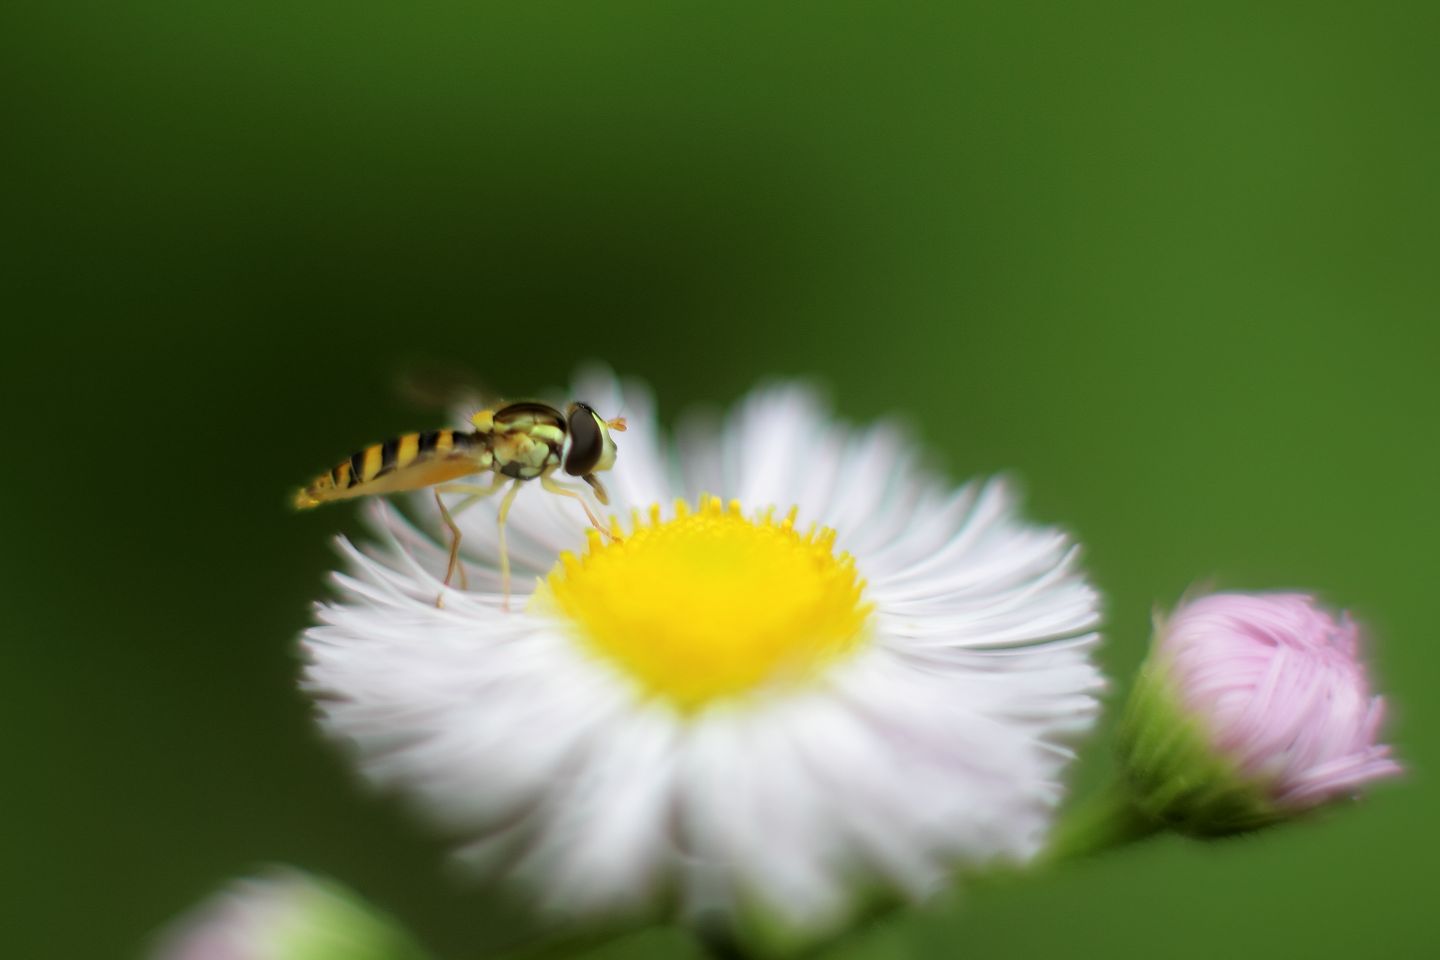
(516, 442)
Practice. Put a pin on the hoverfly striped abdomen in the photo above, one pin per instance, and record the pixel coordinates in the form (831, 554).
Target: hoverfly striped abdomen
(406, 462)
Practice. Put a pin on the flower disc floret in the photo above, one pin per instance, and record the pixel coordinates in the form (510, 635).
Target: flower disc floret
(711, 603)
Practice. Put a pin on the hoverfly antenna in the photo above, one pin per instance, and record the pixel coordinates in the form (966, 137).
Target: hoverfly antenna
(617, 424)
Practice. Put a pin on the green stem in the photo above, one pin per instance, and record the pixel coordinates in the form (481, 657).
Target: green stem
(1102, 822)
(566, 943)
(719, 943)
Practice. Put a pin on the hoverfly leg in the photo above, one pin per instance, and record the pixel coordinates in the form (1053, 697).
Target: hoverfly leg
(450, 567)
(564, 491)
(505, 553)
(476, 494)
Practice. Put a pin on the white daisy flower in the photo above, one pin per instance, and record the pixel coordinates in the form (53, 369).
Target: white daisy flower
(842, 676)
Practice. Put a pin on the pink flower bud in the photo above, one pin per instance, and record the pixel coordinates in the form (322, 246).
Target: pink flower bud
(1282, 688)
(284, 915)
(1252, 708)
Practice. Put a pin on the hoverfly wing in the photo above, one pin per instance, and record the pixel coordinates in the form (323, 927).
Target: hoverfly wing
(441, 387)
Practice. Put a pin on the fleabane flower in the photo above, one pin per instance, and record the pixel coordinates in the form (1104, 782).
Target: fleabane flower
(284, 914)
(1251, 709)
(803, 670)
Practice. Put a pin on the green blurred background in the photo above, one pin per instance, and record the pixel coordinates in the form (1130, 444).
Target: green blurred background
(1174, 265)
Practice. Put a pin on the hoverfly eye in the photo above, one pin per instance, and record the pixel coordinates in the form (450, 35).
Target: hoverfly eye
(586, 441)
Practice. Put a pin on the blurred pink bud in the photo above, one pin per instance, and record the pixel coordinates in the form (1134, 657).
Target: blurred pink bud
(284, 915)
(1281, 686)
(1251, 708)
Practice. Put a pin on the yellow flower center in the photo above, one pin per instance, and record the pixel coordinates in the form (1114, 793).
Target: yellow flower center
(711, 604)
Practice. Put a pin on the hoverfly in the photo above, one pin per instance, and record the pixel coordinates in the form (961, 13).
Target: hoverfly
(516, 443)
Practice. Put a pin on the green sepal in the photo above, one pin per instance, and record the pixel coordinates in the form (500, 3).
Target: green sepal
(1172, 771)
(329, 922)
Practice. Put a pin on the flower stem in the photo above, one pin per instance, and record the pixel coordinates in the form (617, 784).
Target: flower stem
(1102, 822)
(718, 943)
